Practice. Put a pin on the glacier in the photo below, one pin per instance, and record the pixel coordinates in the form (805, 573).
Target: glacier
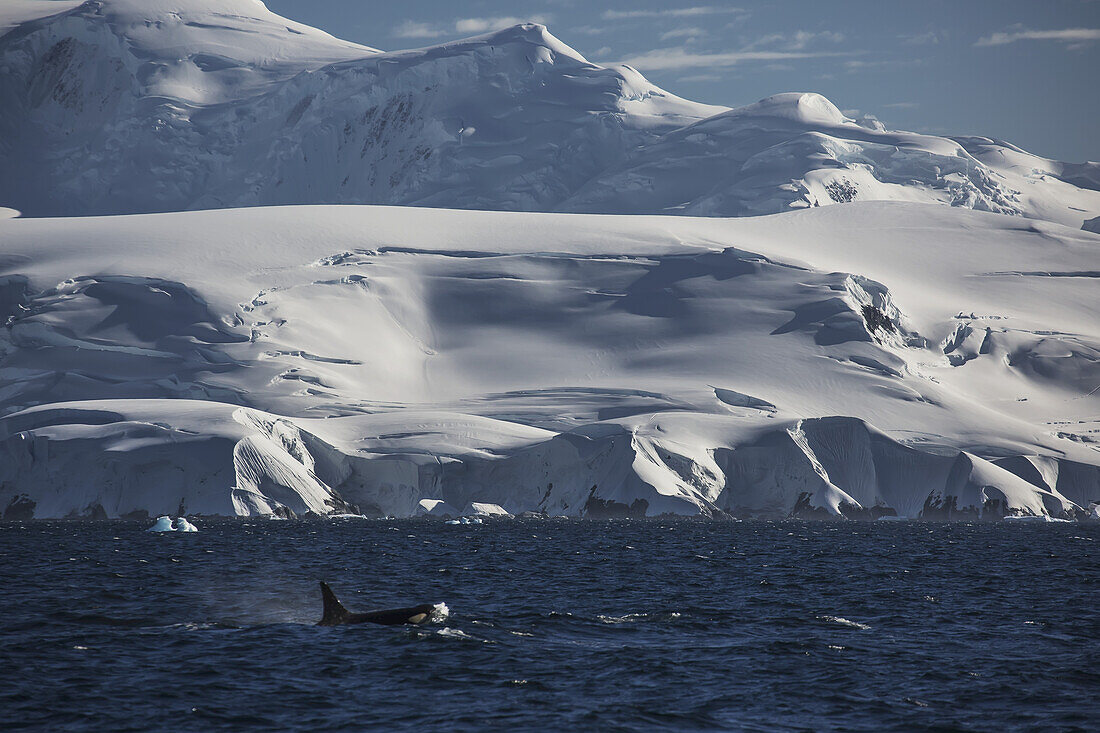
(250, 269)
(875, 359)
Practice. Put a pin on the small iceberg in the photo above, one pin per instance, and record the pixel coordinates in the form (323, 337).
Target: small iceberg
(466, 520)
(435, 508)
(483, 509)
(164, 524)
(182, 525)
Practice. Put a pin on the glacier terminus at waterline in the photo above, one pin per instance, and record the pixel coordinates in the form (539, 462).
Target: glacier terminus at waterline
(550, 286)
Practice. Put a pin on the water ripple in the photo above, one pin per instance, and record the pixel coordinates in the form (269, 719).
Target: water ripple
(552, 625)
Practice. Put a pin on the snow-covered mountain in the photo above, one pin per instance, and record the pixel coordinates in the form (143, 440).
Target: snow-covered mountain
(125, 106)
(900, 354)
(843, 361)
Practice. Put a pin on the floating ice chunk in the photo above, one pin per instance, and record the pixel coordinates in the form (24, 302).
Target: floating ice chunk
(164, 524)
(466, 520)
(182, 525)
(486, 510)
(435, 508)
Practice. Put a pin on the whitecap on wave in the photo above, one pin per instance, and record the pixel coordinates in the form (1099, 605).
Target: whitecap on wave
(450, 633)
(632, 617)
(844, 622)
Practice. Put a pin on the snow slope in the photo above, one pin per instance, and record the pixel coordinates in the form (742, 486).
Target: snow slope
(869, 359)
(127, 106)
(798, 150)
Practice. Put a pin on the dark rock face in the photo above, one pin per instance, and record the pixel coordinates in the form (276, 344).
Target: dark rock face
(994, 508)
(842, 191)
(876, 319)
(944, 508)
(596, 508)
(285, 512)
(93, 511)
(136, 515)
(20, 508)
(803, 509)
(339, 506)
(871, 513)
(13, 296)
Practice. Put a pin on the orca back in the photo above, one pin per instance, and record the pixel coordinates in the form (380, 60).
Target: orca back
(334, 613)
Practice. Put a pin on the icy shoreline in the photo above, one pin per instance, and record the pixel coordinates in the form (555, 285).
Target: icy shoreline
(826, 468)
(142, 522)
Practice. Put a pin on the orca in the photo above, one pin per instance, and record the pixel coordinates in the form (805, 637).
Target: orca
(336, 615)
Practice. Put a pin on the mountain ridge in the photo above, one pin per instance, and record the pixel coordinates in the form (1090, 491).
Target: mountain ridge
(105, 116)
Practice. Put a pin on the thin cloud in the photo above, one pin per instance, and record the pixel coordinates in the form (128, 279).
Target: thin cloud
(672, 12)
(699, 78)
(665, 59)
(412, 29)
(901, 105)
(1064, 35)
(484, 25)
(588, 30)
(686, 33)
(797, 41)
(462, 26)
(931, 38)
(856, 65)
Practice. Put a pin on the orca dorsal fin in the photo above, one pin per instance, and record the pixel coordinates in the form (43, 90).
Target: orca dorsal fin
(334, 612)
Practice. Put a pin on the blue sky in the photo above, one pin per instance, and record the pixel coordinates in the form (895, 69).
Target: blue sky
(1025, 71)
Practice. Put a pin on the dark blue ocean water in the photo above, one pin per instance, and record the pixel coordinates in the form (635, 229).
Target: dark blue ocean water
(559, 625)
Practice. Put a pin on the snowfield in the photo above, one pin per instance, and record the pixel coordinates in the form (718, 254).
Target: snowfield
(905, 326)
(861, 360)
(134, 106)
